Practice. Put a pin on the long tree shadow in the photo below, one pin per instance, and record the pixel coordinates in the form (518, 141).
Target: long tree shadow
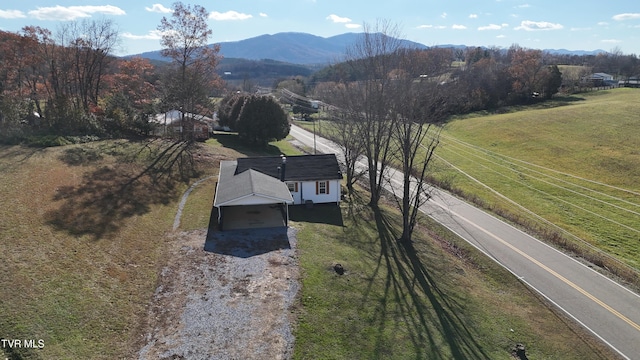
(424, 307)
(110, 194)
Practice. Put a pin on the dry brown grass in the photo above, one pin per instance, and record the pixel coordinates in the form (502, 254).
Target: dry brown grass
(83, 236)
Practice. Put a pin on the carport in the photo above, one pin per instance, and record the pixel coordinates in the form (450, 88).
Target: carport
(250, 199)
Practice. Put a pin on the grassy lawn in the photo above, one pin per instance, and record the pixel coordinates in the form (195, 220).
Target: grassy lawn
(567, 169)
(83, 231)
(576, 166)
(84, 237)
(437, 298)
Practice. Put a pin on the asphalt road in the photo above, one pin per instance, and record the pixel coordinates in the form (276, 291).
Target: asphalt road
(608, 310)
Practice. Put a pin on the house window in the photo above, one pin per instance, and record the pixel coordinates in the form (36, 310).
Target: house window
(322, 187)
(293, 187)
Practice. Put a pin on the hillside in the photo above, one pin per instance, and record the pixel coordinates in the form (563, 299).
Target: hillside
(290, 47)
(303, 48)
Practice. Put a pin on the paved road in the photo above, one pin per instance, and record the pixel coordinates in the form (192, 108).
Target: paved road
(610, 311)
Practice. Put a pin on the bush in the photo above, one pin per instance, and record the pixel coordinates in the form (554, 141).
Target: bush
(57, 140)
(262, 120)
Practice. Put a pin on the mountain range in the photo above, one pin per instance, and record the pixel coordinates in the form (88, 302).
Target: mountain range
(308, 49)
(289, 47)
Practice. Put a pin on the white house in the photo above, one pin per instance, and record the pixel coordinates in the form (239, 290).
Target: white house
(170, 123)
(257, 189)
(314, 178)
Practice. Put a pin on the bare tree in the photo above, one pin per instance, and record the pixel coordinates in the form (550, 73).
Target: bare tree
(418, 108)
(373, 57)
(350, 143)
(86, 47)
(184, 41)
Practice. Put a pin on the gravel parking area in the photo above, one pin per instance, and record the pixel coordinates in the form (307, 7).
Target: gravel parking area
(229, 297)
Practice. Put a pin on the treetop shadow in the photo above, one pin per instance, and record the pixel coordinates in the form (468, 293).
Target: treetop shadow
(425, 308)
(110, 194)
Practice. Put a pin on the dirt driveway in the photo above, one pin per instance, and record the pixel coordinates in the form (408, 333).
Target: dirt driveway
(229, 297)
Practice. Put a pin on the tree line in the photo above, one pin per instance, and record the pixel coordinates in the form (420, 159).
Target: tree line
(70, 83)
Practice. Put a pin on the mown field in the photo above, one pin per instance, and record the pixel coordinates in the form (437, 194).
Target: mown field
(571, 168)
(83, 238)
(567, 170)
(437, 298)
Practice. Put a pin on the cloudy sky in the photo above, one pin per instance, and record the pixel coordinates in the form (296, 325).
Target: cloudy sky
(538, 24)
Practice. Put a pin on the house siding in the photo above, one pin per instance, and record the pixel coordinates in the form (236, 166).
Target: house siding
(307, 191)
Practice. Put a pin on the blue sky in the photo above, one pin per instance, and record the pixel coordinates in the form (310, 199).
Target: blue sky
(537, 24)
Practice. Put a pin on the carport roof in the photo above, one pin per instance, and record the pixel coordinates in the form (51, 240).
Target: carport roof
(233, 188)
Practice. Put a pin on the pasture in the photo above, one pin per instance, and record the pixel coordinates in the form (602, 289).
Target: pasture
(570, 167)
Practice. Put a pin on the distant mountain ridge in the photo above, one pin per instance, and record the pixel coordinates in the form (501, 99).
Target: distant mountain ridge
(303, 48)
(290, 47)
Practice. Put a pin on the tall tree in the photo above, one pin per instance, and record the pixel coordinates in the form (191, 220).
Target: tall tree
(184, 39)
(417, 108)
(369, 99)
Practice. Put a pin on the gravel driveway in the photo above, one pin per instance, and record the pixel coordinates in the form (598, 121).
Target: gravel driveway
(229, 297)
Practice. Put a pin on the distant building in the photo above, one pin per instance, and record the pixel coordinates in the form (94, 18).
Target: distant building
(600, 79)
(170, 124)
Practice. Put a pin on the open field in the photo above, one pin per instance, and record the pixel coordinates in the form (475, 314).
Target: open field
(85, 234)
(437, 298)
(573, 169)
(567, 169)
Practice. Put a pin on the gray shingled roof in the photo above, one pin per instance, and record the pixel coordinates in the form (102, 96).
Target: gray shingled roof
(249, 183)
(299, 167)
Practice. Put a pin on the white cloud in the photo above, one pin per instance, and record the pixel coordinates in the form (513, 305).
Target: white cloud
(603, 23)
(443, 15)
(11, 14)
(152, 35)
(473, 16)
(73, 12)
(263, 15)
(627, 16)
(353, 26)
(458, 27)
(431, 27)
(580, 29)
(158, 8)
(337, 19)
(611, 41)
(501, 36)
(529, 25)
(490, 27)
(524, 6)
(229, 15)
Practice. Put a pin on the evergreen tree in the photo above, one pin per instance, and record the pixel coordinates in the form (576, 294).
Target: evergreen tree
(262, 120)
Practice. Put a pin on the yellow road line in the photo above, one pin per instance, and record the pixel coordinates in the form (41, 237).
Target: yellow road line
(552, 272)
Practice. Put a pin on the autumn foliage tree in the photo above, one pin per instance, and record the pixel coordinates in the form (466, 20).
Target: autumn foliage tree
(129, 103)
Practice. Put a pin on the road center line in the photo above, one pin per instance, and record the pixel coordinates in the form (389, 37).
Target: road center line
(550, 271)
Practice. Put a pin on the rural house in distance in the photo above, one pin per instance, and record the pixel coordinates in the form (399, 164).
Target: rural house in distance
(256, 191)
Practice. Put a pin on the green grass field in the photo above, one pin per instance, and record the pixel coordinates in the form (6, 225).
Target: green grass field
(84, 228)
(576, 165)
(438, 298)
(567, 170)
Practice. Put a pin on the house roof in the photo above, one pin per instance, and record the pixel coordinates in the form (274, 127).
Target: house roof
(175, 116)
(233, 188)
(298, 168)
(600, 76)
